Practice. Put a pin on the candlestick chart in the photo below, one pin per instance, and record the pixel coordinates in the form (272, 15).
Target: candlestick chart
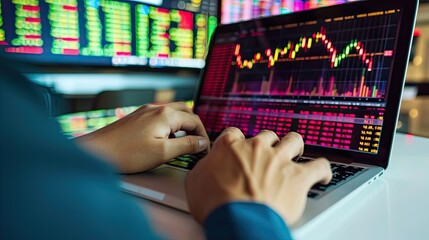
(322, 62)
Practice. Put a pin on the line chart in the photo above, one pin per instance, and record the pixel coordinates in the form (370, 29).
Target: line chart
(291, 50)
(327, 61)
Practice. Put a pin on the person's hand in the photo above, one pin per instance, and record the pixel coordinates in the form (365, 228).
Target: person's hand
(145, 138)
(259, 169)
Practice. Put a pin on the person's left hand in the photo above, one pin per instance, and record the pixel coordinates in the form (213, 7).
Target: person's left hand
(143, 139)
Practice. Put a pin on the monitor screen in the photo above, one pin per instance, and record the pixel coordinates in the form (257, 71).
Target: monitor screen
(81, 123)
(324, 74)
(155, 33)
(239, 10)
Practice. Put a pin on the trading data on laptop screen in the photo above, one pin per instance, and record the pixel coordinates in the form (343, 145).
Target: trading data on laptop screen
(326, 79)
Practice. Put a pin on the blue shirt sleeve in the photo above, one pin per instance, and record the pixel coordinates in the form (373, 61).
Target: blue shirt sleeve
(245, 220)
(49, 187)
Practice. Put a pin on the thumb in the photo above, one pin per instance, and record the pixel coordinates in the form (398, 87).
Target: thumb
(185, 145)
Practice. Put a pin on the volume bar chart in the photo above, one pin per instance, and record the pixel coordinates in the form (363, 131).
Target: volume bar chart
(321, 87)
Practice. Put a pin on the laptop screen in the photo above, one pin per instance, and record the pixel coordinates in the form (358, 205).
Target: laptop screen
(325, 76)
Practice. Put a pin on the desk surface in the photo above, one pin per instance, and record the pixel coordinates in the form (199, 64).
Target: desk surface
(393, 207)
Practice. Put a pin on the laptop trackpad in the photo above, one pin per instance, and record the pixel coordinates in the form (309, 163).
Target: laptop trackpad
(163, 184)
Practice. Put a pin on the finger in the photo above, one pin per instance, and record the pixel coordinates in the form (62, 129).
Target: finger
(268, 136)
(185, 145)
(187, 122)
(231, 134)
(318, 170)
(290, 146)
(180, 106)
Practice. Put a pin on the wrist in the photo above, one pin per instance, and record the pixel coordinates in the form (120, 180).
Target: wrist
(94, 144)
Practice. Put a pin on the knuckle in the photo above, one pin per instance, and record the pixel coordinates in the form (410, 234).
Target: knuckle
(163, 110)
(323, 162)
(149, 106)
(191, 144)
(233, 130)
(272, 133)
(296, 136)
(162, 150)
(197, 117)
(326, 165)
(297, 169)
(144, 108)
(257, 142)
(228, 138)
(181, 103)
(229, 135)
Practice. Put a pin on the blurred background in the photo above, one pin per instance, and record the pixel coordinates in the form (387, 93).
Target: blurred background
(84, 57)
(414, 115)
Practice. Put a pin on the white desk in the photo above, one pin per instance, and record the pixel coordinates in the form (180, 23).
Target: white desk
(396, 206)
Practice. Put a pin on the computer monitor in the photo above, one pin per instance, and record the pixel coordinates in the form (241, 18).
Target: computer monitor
(155, 33)
(81, 123)
(239, 10)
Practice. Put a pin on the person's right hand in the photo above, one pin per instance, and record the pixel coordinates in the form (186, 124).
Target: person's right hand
(258, 169)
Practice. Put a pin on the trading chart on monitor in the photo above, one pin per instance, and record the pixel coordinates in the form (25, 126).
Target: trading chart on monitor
(326, 79)
(105, 32)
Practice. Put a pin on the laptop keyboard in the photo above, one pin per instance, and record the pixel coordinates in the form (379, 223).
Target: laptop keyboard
(187, 161)
(340, 172)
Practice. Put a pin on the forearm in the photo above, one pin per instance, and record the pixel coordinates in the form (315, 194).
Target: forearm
(245, 220)
(95, 145)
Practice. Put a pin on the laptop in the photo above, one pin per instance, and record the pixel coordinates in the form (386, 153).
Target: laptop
(335, 75)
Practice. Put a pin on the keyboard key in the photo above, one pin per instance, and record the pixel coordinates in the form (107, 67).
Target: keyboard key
(322, 187)
(177, 163)
(340, 173)
(303, 160)
(187, 161)
(312, 194)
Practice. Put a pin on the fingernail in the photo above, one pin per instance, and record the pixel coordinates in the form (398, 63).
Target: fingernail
(202, 144)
